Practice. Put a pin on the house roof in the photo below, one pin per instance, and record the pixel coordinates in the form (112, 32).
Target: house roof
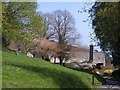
(82, 54)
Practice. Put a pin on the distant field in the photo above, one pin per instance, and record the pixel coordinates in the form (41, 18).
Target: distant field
(25, 72)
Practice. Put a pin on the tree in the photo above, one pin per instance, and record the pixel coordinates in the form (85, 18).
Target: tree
(105, 21)
(47, 49)
(61, 28)
(37, 25)
(44, 47)
(21, 23)
(15, 18)
(47, 22)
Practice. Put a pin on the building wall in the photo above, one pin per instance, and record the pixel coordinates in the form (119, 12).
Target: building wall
(98, 57)
(54, 60)
(108, 60)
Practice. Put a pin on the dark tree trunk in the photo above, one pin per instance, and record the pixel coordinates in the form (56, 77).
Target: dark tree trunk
(54, 59)
(61, 60)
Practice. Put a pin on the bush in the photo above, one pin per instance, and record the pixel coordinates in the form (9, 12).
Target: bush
(109, 71)
(116, 73)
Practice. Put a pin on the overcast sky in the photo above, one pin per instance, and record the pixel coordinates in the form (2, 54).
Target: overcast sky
(83, 28)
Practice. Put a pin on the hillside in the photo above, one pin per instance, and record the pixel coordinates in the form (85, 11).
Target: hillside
(25, 72)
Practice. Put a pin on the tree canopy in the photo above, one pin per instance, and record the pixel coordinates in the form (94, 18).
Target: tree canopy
(105, 21)
(61, 27)
(21, 22)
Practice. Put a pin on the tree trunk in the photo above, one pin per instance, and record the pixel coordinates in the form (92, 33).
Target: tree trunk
(61, 60)
(54, 59)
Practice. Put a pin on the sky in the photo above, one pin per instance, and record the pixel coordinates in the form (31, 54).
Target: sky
(83, 28)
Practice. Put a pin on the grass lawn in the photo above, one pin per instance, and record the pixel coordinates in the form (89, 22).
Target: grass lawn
(25, 72)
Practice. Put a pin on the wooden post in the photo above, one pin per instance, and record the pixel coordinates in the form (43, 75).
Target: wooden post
(91, 54)
(92, 79)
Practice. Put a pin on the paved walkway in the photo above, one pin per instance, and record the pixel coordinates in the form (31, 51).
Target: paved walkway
(115, 87)
(110, 85)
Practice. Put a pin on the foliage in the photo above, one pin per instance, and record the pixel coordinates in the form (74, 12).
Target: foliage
(105, 21)
(14, 15)
(116, 74)
(21, 22)
(61, 28)
(25, 72)
(37, 25)
(44, 47)
(48, 49)
(109, 71)
(63, 52)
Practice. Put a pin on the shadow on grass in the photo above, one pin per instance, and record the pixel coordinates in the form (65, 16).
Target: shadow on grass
(97, 76)
(62, 79)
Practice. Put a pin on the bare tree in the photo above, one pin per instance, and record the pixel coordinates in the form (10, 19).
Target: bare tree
(61, 27)
(48, 21)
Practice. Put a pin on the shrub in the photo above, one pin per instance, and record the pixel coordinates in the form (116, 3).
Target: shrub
(116, 73)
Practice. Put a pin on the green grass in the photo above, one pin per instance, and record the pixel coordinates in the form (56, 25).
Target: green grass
(25, 72)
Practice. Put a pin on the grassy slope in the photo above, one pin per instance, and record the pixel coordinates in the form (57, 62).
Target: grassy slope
(25, 72)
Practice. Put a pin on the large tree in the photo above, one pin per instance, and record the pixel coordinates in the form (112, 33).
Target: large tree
(105, 21)
(61, 28)
(15, 18)
(21, 23)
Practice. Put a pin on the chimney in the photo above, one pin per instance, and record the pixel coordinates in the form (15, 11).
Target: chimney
(91, 54)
